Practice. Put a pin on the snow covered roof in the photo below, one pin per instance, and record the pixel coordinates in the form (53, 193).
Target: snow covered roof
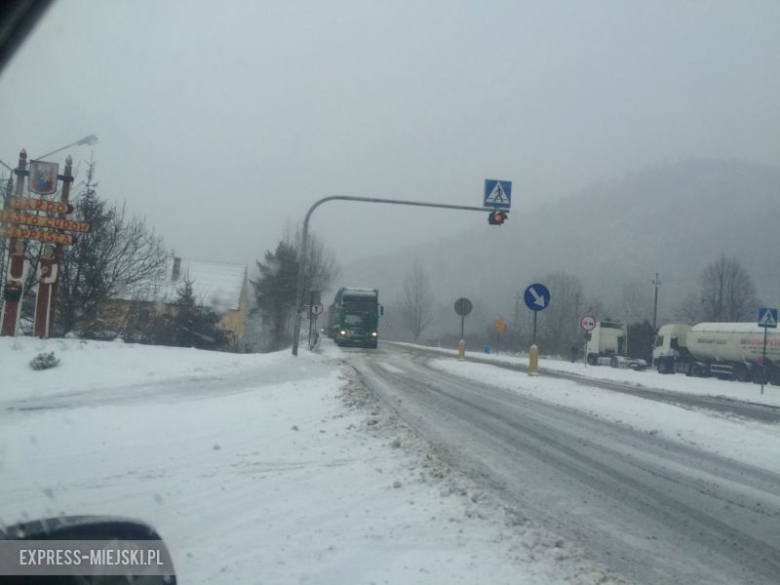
(214, 284)
(360, 292)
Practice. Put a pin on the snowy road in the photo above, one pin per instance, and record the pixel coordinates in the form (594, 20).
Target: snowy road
(255, 469)
(653, 509)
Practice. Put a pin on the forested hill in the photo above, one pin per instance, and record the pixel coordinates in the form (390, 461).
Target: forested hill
(669, 218)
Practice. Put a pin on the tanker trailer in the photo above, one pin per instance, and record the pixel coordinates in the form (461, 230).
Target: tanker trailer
(729, 351)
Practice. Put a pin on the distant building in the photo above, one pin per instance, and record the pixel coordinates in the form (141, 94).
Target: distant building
(219, 286)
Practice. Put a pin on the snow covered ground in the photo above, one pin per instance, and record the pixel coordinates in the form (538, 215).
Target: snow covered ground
(648, 379)
(254, 468)
(89, 366)
(754, 443)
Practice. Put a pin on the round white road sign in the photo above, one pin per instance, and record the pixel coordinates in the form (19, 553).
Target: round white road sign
(588, 323)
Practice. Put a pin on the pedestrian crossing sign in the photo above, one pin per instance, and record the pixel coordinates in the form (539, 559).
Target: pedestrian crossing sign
(498, 194)
(767, 317)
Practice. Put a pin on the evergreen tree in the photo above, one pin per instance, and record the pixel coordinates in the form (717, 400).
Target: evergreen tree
(275, 294)
(193, 325)
(82, 285)
(640, 340)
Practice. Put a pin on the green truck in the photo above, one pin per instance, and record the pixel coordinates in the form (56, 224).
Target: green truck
(353, 318)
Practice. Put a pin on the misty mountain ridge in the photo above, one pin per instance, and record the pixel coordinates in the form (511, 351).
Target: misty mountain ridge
(671, 218)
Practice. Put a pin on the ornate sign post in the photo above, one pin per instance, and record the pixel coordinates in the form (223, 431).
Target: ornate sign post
(15, 278)
(17, 272)
(48, 271)
(41, 226)
(67, 179)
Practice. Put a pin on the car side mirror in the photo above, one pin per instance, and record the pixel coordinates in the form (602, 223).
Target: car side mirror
(381, 310)
(101, 550)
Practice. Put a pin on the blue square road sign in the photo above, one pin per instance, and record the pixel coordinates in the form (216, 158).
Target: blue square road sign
(498, 194)
(767, 317)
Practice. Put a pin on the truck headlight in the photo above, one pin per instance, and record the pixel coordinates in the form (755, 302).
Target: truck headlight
(373, 334)
(342, 332)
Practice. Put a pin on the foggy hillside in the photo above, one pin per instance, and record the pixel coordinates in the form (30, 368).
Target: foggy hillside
(671, 218)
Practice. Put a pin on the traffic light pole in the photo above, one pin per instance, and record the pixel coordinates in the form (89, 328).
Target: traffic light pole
(310, 319)
(305, 242)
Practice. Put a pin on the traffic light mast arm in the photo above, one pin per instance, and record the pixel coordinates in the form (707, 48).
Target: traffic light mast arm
(391, 202)
(305, 242)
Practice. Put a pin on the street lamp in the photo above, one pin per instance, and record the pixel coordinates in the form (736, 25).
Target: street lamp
(88, 140)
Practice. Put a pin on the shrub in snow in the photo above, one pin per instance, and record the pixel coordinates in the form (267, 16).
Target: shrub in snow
(44, 361)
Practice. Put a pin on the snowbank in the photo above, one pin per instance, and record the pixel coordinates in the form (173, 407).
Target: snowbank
(647, 379)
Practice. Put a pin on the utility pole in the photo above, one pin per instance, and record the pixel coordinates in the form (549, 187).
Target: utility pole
(656, 283)
(515, 332)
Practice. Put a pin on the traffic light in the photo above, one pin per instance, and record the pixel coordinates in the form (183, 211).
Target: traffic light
(497, 217)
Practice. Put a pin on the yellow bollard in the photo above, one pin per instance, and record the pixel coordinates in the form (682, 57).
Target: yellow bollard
(533, 361)
(462, 349)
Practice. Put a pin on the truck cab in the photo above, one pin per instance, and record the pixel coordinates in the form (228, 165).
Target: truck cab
(670, 345)
(353, 317)
(605, 341)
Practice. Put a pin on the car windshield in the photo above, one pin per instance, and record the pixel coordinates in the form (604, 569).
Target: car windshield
(371, 292)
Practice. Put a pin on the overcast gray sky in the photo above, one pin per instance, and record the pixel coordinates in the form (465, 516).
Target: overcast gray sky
(223, 121)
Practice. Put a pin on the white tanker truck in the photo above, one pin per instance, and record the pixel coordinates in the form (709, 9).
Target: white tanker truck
(729, 351)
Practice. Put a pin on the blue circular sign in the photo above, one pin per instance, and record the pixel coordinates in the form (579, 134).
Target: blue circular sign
(537, 297)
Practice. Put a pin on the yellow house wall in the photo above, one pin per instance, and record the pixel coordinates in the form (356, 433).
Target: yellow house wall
(235, 321)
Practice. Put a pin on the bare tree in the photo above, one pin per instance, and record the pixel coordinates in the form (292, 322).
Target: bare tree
(118, 254)
(690, 309)
(558, 325)
(595, 307)
(416, 306)
(321, 266)
(727, 292)
(635, 303)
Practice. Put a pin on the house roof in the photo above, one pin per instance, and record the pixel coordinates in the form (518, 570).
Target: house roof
(214, 284)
